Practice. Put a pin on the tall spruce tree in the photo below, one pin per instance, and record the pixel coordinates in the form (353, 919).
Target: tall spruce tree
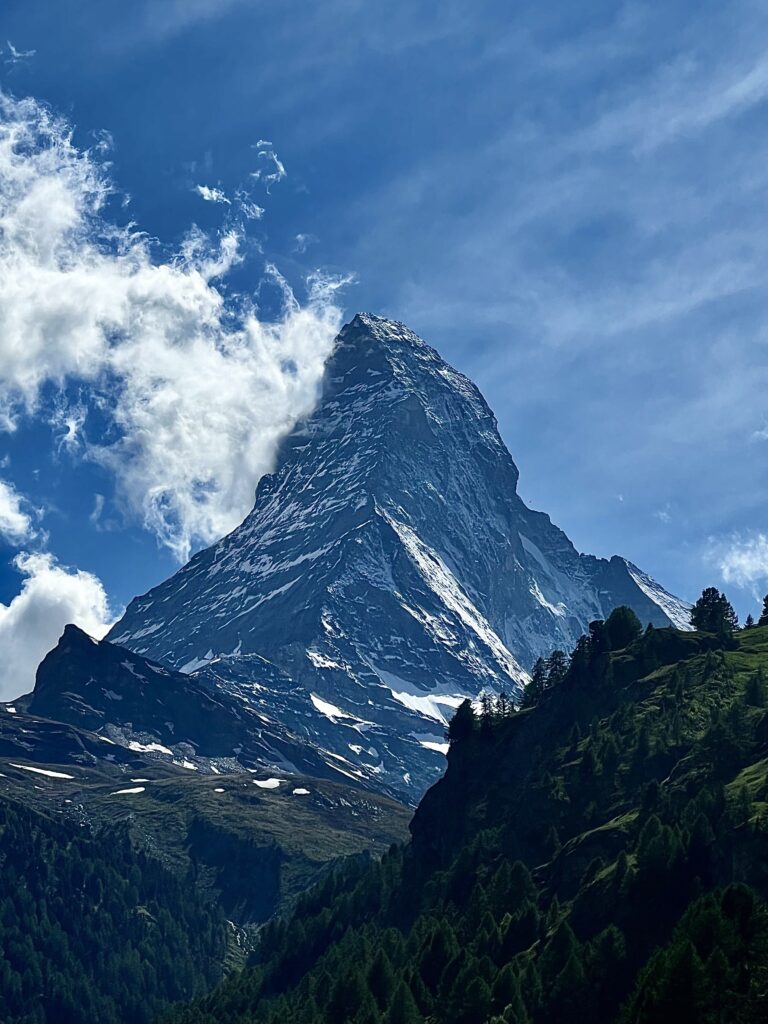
(536, 686)
(622, 627)
(462, 724)
(713, 613)
(557, 666)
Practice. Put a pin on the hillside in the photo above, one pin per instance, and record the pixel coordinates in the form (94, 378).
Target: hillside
(128, 881)
(251, 843)
(599, 856)
(93, 931)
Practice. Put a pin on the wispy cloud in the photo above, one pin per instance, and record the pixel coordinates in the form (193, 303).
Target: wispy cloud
(16, 56)
(67, 418)
(163, 19)
(601, 238)
(303, 242)
(16, 515)
(272, 169)
(212, 194)
(198, 388)
(246, 205)
(744, 560)
(686, 97)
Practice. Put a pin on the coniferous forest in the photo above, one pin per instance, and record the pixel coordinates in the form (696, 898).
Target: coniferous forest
(599, 855)
(93, 930)
(596, 854)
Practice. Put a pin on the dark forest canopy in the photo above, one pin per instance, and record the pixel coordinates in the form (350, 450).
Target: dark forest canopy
(596, 856)
(92, 930)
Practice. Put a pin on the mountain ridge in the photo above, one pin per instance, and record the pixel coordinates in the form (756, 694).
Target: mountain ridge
(388, 566)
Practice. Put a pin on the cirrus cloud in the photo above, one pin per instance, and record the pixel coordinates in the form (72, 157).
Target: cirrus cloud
(211, 194)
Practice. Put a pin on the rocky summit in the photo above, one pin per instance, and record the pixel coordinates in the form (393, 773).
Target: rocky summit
(388, 570)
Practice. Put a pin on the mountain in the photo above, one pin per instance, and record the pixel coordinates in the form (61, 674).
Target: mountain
(214, 816)
(388, 569)
(136, 703)
(599, 857)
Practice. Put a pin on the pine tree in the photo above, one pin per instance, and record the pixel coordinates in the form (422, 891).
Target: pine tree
(557, 666)
(568, 998)
(763, 620)
(404, 1009)
(578, 665)
(551, 843)
(536, 686)
(506, 988)
(487, 712)
(713, 613)
(441, 949)
(622, 627)
(462, 725)
(381, 979)
(755, 690)
(504, 706)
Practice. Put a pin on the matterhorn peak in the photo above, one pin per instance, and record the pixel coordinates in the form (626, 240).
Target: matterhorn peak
(389, 569)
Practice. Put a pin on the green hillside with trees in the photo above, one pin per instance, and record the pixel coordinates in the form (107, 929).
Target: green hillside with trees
(115, 905)
(599, 855)
(92, 930)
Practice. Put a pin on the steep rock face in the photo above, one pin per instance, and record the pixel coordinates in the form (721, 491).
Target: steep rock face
(388, 568)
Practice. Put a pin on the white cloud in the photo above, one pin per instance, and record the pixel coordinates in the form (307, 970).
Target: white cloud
(15, 522)
(51, 596)
(303, 242)
(745, 560)
(686, 97)
(98, 507)
(199, 388)
(272, 169)
(15, 55)
(245, 204)
(212, 195)
(68, 420)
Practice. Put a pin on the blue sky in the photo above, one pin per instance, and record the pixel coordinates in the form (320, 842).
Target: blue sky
(569, 201)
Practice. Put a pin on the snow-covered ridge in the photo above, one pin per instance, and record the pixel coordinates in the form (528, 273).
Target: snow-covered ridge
(678, 612)
(447, 589)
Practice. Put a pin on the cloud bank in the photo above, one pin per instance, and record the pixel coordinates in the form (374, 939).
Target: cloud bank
(50, 597)
(197, 388)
